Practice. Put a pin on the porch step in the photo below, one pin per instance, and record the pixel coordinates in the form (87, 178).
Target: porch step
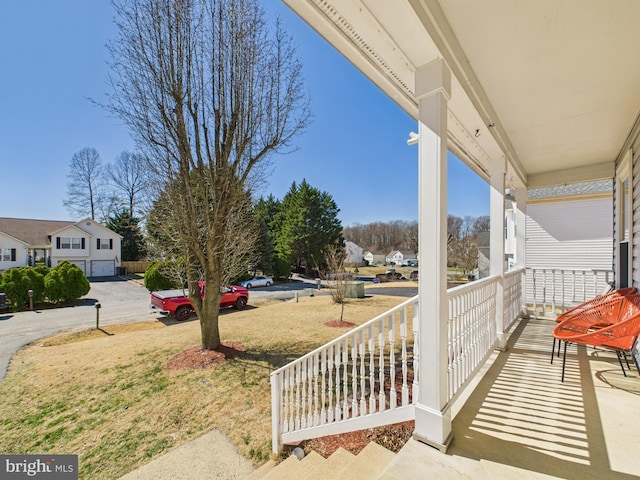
(259, 473)
(341, 465)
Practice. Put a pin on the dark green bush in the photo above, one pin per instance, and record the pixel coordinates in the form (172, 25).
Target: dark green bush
(65, 282)
(281, 266)
(16, 283)
(156, 279)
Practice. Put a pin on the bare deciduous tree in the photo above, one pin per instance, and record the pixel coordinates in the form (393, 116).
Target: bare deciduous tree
(336, 277)
(128, 177)
(85, 178)
(209, 91)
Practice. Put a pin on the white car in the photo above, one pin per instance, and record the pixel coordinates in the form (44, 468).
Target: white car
(257, 282)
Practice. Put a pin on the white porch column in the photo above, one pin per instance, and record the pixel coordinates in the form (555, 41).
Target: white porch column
(521, 256)
(496, 264)
(433, 414)
(521, 221)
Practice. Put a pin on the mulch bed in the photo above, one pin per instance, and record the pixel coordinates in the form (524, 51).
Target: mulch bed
(197, 357)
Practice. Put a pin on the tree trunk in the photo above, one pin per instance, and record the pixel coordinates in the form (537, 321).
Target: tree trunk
(209, 328)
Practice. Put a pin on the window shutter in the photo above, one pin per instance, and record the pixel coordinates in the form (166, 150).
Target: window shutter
(82, 243)
(58, 243)
(13, 254)
(98, 243)
(111, 244)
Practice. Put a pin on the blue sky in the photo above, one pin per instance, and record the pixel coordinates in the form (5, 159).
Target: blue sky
(53, 60)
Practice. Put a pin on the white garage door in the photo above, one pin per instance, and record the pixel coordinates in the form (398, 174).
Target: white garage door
(103, 268)
(80, 263)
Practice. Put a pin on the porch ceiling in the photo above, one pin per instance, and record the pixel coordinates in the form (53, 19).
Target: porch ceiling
(552, 85)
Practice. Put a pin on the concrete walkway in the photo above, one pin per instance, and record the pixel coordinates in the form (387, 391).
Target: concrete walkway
(208, 457)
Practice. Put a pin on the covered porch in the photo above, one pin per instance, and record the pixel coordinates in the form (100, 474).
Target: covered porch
(518, 421)
(528, 96)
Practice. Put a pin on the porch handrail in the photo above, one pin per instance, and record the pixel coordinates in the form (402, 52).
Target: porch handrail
(471, 330)
(364, 371)
(369, 376)
(551, 290)
(514, 296)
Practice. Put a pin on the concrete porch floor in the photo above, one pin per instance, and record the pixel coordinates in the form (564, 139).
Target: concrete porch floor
(520, 421)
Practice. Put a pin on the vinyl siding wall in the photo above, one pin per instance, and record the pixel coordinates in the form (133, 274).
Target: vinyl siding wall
(570, 234)
(636, 214)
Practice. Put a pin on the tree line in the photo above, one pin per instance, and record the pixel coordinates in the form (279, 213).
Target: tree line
(383, 237)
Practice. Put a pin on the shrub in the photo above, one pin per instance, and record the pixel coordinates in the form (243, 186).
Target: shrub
(65, 282)
(281, 266)
(16, 283)
(155, 277)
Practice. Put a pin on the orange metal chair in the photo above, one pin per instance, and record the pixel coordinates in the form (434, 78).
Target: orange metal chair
(623, 346)
(622, 292)
(604, 324)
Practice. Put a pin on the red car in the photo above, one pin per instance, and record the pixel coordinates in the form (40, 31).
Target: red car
(174, 302)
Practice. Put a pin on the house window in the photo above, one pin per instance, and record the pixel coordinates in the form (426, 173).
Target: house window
(8, 254)
(65, 243)
(104, 244)
(76, 243)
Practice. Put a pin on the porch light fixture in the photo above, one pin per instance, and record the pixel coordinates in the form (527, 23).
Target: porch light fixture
(413, 138)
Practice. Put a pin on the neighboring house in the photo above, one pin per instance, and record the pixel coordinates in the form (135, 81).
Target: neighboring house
(510, 246)
(374, 258)
(397, 257)
(87, 244)
(354, 253)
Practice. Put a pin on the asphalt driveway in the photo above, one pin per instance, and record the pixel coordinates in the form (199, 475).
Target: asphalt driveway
(121, 301)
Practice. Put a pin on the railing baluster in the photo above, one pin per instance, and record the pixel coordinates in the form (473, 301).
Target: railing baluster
(372, 371)
(393, 399)
(354, 376)
(311, 391)
(303, 394)
(323, 380)
(345, 380)
(405, 370)
(297, 398)
(382, 400)
(363, 379)
(287, 424)
(338, 383)
(330, 410)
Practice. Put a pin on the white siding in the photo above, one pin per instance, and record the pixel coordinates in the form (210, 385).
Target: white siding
(570, 234)
(636, 214)
(6, 245)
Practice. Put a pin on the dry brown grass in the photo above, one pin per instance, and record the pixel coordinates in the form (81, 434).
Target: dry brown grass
(107, 396)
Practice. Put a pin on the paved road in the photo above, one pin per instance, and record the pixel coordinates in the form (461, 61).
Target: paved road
(121, 301)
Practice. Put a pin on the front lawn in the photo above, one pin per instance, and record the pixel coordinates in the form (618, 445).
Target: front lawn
(108, 397)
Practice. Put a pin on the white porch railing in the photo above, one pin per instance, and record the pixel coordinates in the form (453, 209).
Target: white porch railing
(340, 386)
(471, 329)
(514, 301)
(552, 290)
(369, 376)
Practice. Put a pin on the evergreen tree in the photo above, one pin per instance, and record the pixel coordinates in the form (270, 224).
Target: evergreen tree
(133, 243)
(308, 223)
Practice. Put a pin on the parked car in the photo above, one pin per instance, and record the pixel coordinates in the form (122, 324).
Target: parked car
(174, 302)
(258, 281)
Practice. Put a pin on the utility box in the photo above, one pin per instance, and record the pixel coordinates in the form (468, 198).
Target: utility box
(355, 290)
